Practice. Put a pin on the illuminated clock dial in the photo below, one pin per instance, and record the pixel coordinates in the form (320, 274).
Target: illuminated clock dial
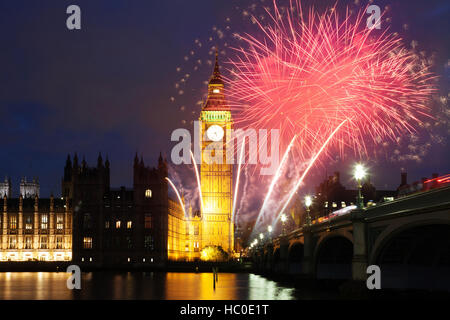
(215, 133)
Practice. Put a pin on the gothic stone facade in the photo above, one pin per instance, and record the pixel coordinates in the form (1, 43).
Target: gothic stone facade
(36, 229)
(118, 226)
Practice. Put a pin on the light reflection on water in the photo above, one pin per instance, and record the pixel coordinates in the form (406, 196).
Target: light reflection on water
(139, 285)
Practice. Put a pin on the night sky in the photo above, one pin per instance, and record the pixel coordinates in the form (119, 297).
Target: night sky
(107, 87)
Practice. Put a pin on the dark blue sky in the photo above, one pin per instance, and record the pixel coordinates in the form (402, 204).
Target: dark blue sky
(107, 87)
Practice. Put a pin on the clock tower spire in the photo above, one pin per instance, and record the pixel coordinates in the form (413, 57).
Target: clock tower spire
(216, 98)
(216, 174)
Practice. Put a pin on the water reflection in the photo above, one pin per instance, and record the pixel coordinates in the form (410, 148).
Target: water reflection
(33, 285)
(139, 285)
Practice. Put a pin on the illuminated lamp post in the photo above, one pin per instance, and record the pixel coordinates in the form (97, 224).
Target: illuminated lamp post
(269, 229)
(308, 202)
(283, 221)
(359, 174)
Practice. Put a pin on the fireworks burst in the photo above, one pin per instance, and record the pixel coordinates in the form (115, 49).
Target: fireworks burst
(314, 73)
(308, 74)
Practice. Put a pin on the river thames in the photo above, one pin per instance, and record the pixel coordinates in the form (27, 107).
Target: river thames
(145, 285)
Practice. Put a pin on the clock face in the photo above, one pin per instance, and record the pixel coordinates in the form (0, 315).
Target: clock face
(215, 133)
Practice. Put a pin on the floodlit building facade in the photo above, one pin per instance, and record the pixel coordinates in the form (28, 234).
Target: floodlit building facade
(93, 223)
(36, 229)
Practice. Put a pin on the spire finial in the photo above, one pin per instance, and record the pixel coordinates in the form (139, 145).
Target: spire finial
(99, 160)
(75, 160)
(216, 78)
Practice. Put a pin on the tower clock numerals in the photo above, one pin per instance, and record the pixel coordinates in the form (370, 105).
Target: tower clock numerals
(215, 133)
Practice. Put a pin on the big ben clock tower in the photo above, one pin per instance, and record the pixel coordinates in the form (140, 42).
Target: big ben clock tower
(216, 175)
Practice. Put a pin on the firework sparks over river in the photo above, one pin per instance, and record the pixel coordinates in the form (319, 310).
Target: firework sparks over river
(306, 71)
(311, 72)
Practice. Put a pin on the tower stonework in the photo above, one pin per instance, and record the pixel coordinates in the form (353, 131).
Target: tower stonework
(216, 176)
(29, 189)
(5, 188)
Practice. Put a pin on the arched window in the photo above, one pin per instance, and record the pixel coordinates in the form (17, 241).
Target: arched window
(59, 221)
(148, 193)
(13, 222)
(87, 243)
(44, 222)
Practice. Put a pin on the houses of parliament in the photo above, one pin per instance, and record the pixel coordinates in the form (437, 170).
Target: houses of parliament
(93, 223)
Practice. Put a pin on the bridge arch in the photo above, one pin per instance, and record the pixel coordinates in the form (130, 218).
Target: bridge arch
(394, 229)
(415, 255)
(295, 257)
(277, 261)
(333, 256)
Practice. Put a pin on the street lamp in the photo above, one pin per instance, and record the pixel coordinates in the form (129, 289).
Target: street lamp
(269, 230)
(308, 202)
(283, 220)
(261, 236)
(359, 174)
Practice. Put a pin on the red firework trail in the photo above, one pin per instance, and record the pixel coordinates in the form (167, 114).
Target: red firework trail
(309, 72)
(305, 172)
(275, 178)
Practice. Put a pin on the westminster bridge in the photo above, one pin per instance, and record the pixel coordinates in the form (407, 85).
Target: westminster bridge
(408, 238)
